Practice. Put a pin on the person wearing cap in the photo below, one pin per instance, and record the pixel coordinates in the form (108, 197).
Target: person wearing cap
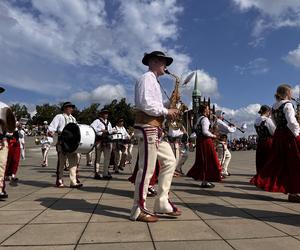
(224, 129)
(150, 114)
(120, 147)
(281, 172)
(265, 129)
(3, 153)
(103, 130)
(57, 125)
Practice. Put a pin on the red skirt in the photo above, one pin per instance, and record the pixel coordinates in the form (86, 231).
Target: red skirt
(263, 152)
(13, 158)
(281, 173)
(154, 177)
(207, 166)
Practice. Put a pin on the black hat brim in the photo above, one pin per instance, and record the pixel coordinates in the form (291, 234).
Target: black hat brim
(69, 105)
(147, 57)
(2, 90)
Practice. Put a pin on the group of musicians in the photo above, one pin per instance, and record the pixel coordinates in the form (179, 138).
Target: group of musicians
(278, 151)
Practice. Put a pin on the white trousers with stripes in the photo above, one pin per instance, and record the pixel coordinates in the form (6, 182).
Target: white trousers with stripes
(151, 149)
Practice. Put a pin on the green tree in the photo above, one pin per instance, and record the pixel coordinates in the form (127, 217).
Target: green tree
(20, 111)
(45, 112)
(89, 114)
(121, 109)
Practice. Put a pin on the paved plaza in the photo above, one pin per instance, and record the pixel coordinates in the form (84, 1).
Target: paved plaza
(233, 215)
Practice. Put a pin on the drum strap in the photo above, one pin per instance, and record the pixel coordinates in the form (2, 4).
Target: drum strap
(105, 124)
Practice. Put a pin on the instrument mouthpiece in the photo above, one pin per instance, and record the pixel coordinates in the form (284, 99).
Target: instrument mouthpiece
(167, 71)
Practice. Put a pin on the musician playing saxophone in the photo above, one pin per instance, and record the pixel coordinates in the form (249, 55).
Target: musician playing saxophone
(148, 127)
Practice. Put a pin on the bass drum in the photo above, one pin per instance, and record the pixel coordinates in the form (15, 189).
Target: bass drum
(77, 138)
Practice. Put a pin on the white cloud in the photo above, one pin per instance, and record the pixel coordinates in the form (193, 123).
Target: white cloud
(103, 94)
(254, 67)
(273, 15)
(208, 85)
(296, 92)
(54, 43)
(293, 57)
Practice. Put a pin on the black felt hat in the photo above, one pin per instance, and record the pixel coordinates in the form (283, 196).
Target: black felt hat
(104, 111)
(160, 54)
(67, 104)
(2, 90)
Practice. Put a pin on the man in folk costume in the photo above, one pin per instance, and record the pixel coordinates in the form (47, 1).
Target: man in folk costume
(57, 125)
(3, 153)
(224, 129)
(148, 129)
(103, 129)
(177, 138)
(120, 147)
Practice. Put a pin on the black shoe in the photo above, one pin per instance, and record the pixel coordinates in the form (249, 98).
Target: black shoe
(151, 192)
(77, 185)
(14, 179)
(97, 177)
(121, 168)
(207, 185)
(107, 177)
(3, 195)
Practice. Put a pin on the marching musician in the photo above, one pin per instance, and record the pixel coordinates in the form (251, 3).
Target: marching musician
(103, 130)
(120, 147)
(150, 113)
(130, 145)
(21, 139)
(3, 153)
(178, 140)
(265, 129)
(57, 125)
(207, 167)
(281, 171)
(224, 155)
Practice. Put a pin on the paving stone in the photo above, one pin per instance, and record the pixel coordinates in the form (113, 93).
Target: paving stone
(63, 216)
(27, 205)
(8, 230)
(242, 228)
(209, 211)
(117, 246)
(270, 210)
(193, 245)
(69, 247)
(266, 243)
(288, 224)
(181, 230)
(46, 234)
(17, 217)
(116, 232)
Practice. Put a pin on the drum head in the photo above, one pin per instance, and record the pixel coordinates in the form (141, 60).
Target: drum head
(70, 137)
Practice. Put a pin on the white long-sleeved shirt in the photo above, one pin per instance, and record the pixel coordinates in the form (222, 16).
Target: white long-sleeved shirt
(269, 123)
(99, 126)
(224, 128)
(148, 96)
(60, 121)
(2, 105)
(175, 132)
(205, 123)
(123, 131)
(289, 113)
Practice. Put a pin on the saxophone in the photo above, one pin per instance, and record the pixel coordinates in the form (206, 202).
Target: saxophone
(176, 103)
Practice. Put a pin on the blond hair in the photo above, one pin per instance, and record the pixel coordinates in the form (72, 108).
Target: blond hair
(282, 91)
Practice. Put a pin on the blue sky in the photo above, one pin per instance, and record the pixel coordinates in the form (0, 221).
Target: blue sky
(90, 50)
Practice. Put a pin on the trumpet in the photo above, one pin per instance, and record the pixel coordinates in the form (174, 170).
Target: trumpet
(230, 124)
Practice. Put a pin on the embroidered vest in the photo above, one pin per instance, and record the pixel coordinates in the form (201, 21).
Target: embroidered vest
(262, 130)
